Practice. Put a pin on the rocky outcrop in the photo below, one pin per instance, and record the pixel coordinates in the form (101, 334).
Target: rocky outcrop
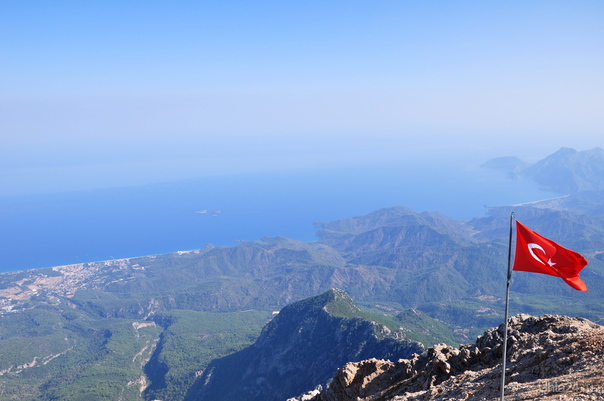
(302, 347)
(548, 357)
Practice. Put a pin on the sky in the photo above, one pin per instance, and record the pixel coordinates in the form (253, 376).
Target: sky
(111, 93)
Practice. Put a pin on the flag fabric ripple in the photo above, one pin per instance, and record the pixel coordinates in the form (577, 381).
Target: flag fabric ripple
(537, 254)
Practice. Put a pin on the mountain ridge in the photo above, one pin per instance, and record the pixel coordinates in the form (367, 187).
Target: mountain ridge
(565, 171)
(547, 356)
(302, 346)
(169, 316)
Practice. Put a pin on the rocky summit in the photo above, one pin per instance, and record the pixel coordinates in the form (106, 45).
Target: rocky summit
(302, 347)
(549, 358)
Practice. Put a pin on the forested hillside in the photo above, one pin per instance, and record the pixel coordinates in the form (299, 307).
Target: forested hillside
(148, 328)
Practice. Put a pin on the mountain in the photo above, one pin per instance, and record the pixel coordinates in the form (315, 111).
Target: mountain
(585, 202)
(509, 163)
(568, 171)
(148, 328)
(398, 216)
(414, 258)
(382, 237)
(549, 357)
(565, 171)
(582, 232)
(300, 348)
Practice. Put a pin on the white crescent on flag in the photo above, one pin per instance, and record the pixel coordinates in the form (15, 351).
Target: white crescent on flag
(531, 246)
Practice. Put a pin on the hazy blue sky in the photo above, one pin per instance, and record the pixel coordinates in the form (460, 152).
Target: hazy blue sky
(104, 93)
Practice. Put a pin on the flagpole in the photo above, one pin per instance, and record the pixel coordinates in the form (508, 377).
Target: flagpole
(507, 302)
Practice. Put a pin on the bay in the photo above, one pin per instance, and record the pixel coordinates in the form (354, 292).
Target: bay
(63, 228)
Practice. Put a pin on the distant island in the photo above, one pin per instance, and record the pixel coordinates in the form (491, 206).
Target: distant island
(150, 327)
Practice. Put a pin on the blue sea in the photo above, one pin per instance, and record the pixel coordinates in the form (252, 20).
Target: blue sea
(62, 228)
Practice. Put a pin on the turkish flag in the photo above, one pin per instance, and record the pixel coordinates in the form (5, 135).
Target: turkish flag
(538, 254)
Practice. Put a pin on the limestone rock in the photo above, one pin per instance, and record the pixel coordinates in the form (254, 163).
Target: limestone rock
(302, 347)
(548, 357)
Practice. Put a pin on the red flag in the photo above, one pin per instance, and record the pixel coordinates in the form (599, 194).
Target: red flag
(538, 254)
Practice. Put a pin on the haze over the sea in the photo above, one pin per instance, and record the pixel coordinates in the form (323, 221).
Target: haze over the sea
(305, 111)
(62, 228)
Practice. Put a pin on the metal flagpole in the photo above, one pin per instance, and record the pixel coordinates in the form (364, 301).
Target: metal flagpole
(507, 302)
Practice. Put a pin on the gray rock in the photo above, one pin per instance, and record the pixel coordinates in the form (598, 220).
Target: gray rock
(546, 356)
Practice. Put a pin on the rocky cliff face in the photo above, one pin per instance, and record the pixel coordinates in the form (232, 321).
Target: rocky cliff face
(549, 358)
(302, 347)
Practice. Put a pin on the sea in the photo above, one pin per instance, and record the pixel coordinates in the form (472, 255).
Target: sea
(53, 229)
